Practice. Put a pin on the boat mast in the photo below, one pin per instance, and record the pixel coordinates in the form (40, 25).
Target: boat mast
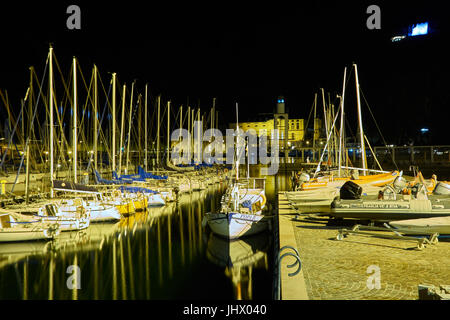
(199, 143)
(95, 116)
(237, 143)
(189, 131)
(341, 130)
(121, 127)
(314, 122)
(192, 134)
(248, 161)
(157, 131)
(145, 129)
(168, 133)
(181, 119)
(114, 122)
(28, 96)
(213, 113)
(51, 120)
(74, 132)
(361, 132)
(129, 127)
(326, 117)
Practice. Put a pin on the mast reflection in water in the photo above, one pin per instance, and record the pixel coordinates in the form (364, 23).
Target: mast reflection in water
(163, 253)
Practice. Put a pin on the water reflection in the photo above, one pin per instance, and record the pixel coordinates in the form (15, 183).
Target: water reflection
(157, 254)
(240, 258)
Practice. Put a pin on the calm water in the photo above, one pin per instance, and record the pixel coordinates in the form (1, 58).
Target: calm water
(163, 253)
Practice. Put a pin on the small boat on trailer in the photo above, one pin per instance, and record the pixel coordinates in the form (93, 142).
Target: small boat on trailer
(424, 226)
(377, 180)
(394, 207)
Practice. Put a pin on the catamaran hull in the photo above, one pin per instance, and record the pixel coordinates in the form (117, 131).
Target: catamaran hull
(235, 225)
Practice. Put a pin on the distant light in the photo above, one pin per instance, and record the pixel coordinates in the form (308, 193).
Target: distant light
(397, 38)
(423, 130)
(419, 29)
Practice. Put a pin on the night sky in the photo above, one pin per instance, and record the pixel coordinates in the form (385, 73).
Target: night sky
(249, 54)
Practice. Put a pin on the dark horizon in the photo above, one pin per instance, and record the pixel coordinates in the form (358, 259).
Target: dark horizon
(248, 55)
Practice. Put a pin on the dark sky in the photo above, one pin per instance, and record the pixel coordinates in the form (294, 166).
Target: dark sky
(248, 54)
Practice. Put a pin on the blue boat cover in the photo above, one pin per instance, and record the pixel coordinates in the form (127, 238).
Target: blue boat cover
(136, 190)
(127, 177)
(148, 175)
(99, 179)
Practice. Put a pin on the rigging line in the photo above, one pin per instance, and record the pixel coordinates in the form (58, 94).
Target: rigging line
(62, 136)
(101, 133)
(66, 88)
(10, 139)
(11, 116)
(40, 128)
(309, 117)
(379, 131)
(82, 122)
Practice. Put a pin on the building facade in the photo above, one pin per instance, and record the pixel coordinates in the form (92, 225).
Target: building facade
(296, 130)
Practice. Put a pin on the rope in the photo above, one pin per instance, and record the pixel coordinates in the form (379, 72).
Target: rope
(378, 128)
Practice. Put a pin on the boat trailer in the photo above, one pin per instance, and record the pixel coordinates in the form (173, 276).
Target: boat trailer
(422, 241)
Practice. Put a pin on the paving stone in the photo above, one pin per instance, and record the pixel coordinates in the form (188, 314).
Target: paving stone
(337, 270)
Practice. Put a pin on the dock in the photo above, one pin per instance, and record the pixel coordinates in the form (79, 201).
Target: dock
(356, 268)
(292, 288)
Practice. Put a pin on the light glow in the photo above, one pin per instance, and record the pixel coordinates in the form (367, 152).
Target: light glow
(419, 29)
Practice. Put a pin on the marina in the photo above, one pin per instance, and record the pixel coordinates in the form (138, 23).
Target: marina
(246, 157)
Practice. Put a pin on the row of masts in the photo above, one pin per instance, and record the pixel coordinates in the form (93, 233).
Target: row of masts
(335, 145)
(120, 154)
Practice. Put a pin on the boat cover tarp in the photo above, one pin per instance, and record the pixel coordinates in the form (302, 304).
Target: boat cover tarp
(196, 166)
(71, 186)
(100, 180)
(136, 190)
(148, 175)
(127, 177)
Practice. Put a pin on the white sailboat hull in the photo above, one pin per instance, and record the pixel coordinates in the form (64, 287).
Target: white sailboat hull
(155, 200)
(104, 213)
(235, 225)
(68, 223)
(24, 234)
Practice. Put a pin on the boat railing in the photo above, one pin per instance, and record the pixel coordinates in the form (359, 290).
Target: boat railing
(252, 183)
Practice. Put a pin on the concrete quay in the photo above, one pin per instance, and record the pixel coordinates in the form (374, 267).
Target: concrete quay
(356, 268)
